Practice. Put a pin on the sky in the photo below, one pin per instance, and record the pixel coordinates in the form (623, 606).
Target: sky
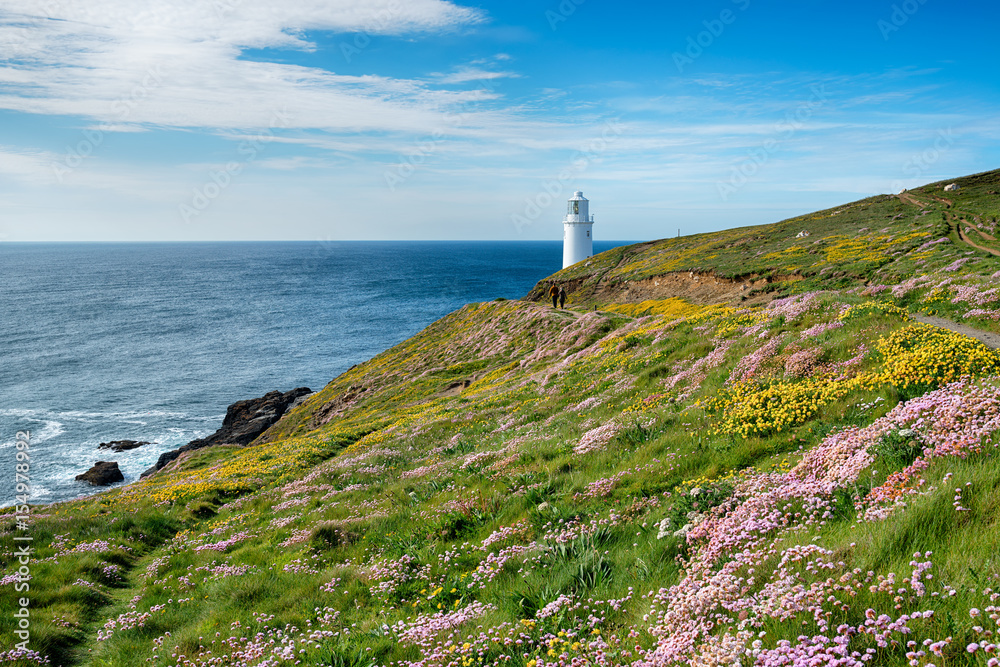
(175, 120)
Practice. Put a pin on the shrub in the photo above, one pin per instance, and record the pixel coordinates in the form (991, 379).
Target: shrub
(898, 449)
(925, 357)
(330, 535)
(202, 509)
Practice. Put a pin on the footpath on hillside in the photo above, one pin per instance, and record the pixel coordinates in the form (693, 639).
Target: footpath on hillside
(910, 199)
(962, 235)
(992, 340)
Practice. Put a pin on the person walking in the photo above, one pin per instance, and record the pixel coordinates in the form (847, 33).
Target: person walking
(562, 297)
(554, 293)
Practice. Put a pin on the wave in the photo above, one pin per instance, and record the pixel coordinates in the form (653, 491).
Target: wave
(51, 429)
(121, 416)
(83, 415)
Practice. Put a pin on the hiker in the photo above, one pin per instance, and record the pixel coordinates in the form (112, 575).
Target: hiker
(562, 297)
(554, 293)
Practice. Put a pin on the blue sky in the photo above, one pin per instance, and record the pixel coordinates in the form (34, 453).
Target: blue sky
(422, 119)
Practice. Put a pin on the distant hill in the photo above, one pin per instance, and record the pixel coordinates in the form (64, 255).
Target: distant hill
(836, 248)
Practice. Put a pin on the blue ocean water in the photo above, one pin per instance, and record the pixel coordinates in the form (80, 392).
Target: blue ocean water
(153, 341)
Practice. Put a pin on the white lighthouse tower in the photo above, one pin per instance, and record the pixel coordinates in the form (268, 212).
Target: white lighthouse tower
(578, 231)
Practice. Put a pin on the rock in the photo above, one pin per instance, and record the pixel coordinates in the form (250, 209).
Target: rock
(696, 517)
(104, 473)
(245, 420)
(122, 445)
(952, 187)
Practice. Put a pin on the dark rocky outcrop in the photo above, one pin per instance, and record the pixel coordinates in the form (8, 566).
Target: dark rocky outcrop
(122, 445)
(245, 420)
(104, 473)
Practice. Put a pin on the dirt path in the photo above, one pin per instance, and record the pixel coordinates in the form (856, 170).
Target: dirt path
(965, 238)
(573, 314)
(959, 223)
(910, 199)
(988, 237)
(991, 339)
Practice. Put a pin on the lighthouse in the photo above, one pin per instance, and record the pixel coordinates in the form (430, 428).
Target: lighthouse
(578, 230)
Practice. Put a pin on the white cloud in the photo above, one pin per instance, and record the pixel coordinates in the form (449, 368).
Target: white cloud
(467, 74)
(45, 171)
(181, 64)
(292, 163)
(28, 166)
(140, 65)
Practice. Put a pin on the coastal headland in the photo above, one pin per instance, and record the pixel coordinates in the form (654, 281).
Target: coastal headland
(763, 446)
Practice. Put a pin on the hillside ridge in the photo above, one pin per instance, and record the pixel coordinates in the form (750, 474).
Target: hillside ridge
(630, 274)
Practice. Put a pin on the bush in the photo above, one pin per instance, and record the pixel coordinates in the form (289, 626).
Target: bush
(898, 449)
(202, 509)
(456, 524)
(330, 535)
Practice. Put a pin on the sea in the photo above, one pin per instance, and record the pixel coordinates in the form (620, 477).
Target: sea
(152, 341)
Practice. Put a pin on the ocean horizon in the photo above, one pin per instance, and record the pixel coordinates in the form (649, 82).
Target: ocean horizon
(153, 340)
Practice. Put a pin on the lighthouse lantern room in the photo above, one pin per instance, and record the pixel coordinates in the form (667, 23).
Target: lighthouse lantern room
(578, 230)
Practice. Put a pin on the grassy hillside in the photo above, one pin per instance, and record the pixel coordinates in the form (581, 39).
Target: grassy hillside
(871, 239)
(787, 467)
